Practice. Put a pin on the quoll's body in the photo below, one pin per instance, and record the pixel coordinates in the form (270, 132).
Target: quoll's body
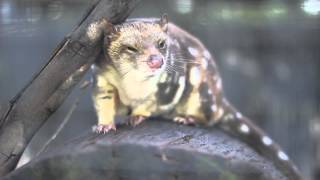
(154, 68)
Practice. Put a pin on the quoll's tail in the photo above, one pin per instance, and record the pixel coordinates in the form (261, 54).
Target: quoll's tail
(234, 123)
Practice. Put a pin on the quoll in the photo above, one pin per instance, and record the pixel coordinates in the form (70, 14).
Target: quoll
(155, 68)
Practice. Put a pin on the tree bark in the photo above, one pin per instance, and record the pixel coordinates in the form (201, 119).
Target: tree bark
(154, 150)
(47, 90)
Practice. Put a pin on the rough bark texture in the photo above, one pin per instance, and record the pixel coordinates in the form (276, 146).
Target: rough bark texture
(46, 91)
(153, 150)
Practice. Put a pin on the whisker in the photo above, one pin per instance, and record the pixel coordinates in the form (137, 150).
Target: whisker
(124, 70)
(169, 70)
(188, 62)
(177, 69)
(184, 59)
(178, 57)
(176, 66)
(180, 66)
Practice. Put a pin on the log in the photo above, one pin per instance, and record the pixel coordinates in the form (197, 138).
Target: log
(154, 150)
(25, 114)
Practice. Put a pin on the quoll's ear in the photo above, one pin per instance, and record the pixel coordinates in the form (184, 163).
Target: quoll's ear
(164, 22)
(108, 28)
(108, 31)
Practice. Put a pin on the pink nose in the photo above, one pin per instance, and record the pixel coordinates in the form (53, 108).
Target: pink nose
(155, 61)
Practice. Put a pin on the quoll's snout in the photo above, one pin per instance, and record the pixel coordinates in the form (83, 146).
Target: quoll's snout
(155, 61)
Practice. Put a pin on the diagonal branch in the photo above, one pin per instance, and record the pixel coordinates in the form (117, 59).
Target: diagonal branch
(50, 86)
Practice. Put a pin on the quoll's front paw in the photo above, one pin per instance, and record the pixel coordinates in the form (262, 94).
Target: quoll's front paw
(135, 120)
(184, 120)
(101, 128)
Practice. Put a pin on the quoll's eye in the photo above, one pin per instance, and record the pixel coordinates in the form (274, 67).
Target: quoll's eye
(131, 49)
(162, 44)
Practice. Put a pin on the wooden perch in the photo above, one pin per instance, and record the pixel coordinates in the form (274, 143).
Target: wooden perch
(46, 91)
(154, 150)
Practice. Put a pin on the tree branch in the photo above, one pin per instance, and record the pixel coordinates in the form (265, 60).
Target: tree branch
(47, 90)
(153, 150)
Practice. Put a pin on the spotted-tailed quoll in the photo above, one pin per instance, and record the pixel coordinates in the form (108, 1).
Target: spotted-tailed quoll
(155, 68)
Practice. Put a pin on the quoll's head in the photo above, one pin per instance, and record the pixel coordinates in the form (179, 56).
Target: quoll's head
(139, 47)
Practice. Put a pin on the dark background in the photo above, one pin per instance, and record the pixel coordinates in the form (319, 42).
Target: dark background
(268, 53)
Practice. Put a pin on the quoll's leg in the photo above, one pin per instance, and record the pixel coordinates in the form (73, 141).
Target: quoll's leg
(184, 120)
(107, 105)
(136, 120)
(101, 128)
(139, 114)
(189, 111)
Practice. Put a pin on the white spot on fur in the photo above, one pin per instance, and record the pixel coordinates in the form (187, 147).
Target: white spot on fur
(179, 92)
(94, 68)
(209, 91)
(193, 51)
(214, 108)
(266, 140)
(283, 156)
(239, 115)
(204, 63)
(215, 78)
(244, 128)
(176, 43)
(195, 76)
(220, 112)
(228, 117)
(167, 90)
(171, 61)
(182, 80)
(219, 84)
(207, 54)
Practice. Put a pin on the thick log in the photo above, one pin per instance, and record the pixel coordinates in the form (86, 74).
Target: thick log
(49, 87)
(154, 150)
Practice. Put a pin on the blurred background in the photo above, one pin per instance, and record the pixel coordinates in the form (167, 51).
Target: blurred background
(268, 52)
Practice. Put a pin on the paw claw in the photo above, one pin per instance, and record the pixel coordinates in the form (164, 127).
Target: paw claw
(101, 128)
(184, 120)
(136, 120)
